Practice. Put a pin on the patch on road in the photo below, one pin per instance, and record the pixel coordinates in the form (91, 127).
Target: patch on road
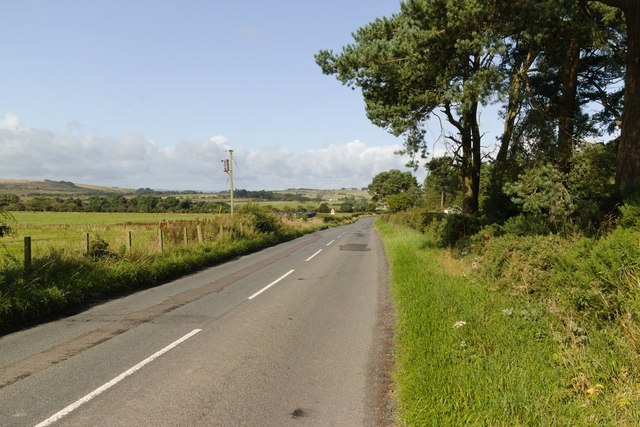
(355, 247)
(298, 413)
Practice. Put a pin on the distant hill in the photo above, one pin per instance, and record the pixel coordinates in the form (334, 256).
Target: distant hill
(56, 188)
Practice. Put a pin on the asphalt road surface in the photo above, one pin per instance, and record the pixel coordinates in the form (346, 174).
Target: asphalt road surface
(297, 334)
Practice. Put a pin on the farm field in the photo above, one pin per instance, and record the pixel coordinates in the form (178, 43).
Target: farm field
(66, 230)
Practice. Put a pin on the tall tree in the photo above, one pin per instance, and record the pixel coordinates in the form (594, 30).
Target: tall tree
(628, 168)
(390, 183)
(435, 56)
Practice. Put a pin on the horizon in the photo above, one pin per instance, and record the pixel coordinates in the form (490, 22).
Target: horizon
(9, 181)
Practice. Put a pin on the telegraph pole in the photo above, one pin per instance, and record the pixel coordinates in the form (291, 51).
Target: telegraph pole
(228, 168)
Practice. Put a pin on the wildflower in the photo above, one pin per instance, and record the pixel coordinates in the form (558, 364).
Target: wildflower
(507, 311)
(459, 324)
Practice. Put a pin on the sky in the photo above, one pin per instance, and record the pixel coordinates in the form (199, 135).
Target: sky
(152, 93)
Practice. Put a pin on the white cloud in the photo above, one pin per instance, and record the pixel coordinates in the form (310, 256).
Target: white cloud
(10, 122)
(134, 161)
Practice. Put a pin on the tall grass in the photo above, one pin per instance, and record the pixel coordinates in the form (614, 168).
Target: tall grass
(591, 289)
(468, 354)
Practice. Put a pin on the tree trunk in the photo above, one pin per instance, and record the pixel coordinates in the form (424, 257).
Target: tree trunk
(522, 63)
(468, 205)
(628, 171)
(476, 138)
(471, 160)
(568, 103)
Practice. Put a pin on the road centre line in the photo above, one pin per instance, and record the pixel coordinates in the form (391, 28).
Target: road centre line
(311, 257)
(75, 405)
(271, 284)
(331, 242)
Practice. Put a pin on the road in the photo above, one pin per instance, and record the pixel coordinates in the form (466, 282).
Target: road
(297, 334)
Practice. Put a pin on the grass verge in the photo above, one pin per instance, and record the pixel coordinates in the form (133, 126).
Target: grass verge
(469, 355)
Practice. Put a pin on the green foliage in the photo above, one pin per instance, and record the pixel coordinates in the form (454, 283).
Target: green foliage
(457, 229)
(262, 220)
(630, 215)
(542, 193)
(444, 177)
(347, 205)
(6, 224)
(324, 208)
(591, 181)
(613, 268)
(526, 225)
(390, 183)
(99, 248)
(403, 201)
(453, 230)
(417, 218)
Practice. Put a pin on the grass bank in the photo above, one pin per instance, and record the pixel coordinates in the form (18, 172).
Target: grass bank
(469, 354)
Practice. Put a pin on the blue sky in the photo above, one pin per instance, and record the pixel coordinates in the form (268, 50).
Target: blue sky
(142, 93)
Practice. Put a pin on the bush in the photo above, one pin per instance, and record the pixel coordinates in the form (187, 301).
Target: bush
(542, 192)
(526, 225)
(612, 268)
(522, 265)
(261, 220)
(99, 248)
(457, 229)
(417, 218)
(630, 215)
(6, 221)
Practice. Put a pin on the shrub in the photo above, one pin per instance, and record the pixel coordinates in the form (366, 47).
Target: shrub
(542, 192)
(522, 265)
(630, 215)
(99, 248)
(526, 225)
(260, 219)
(6, 221)
(458, 228)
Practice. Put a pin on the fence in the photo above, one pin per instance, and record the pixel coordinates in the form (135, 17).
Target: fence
(167, 234)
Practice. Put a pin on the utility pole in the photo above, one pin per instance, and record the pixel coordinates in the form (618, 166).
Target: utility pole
(228, 168)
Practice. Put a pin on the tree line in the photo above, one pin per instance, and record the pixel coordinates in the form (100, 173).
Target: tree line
(148, 203)
(112, 203)
(564, 73)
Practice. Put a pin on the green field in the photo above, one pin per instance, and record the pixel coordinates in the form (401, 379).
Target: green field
(67, 230)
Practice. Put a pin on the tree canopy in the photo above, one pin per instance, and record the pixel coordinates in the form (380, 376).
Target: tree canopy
(564, 72)
(391, 183)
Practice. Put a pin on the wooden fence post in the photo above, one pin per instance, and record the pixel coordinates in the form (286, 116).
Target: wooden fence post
(86, 245)
(160, 237)
(27, 254)
(185, 235)
(129, 241)
(200, 236)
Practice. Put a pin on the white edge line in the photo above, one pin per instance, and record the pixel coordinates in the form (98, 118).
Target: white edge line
(311, 257)
(331, 242)
(75, 405)
(271, 284)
